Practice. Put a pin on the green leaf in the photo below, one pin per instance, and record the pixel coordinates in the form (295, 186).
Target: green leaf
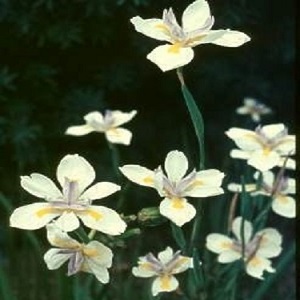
(178, 235)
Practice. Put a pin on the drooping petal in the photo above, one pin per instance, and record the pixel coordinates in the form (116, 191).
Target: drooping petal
(218, 243)
(226, 38)
(237, 227)
(95, 120)
(100, 272)
(176, 165)
(166, 255)
(102, 219)
(164, 283)
(100, 190)
(284, 206)
(263, 160)
(138, 174)
(119, 136)
(154, 28)
(75, 168)
(169, 57)
(120, 117)
(195, 15)
(98, 253)
(257, 265)
(229, 256)
(247, 140)
(33, 216)
(54, 258)
(68, 221)
(79, 130)
(178, 211)
(40, 186)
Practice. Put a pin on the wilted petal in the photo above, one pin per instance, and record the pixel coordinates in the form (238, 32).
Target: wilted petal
(169, 57)
(284, 206)
(40, 186)
(178, 211)
(257, 265)
(264, 160)
(164, 284)
(120, 117)
(237, 227)
(102, 219)
(33, 216)
(79, 130)
(119, 136)
(138, 174)
(54, 258)
(218, 243)
(100, 190)
(176, 165)
(68, 221)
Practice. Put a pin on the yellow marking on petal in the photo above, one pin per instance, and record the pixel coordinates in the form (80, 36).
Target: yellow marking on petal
(195, 183)
(177, 203)
(266, 151)
(165, 282)
(162, 27)
(90, 252)
(282, 199)
(146, 266)
(255, 262)
(45, 211)
(226, 245)
(175, 48)
(148, 180)
(94, 214)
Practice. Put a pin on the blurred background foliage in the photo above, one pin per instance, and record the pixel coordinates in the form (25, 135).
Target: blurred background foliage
(60, 59)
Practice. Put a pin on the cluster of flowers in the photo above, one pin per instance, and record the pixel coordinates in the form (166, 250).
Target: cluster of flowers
(266, 147)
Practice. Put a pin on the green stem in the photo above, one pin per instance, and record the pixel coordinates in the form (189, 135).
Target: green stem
(115, 157)
(80, 232)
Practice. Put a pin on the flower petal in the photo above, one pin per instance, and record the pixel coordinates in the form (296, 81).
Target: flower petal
(176, 165)
(257, 265)
(75, 168)
(79, 130)
(100, 190)
(54, 258)
(120, 117)
(226, 38)
(218, 243)
(270, 243)
(284, 206)
(138, 174)
(166, 255)
(169, 57)
(237, 226)
(40, 186)
(102, 219)
(229, 256)
(154, 28)
(144, 269)
(272, 131)
(95, 120)
(178, 211)
(119, 136)
(286, 145)
(164, 283)
(182, 264)
(237, 188)
(68, 221)
(195, 15)
(247, 140)
(291, 186)
(263, 160)
(98, 253)
(33, 216)
(235, 153)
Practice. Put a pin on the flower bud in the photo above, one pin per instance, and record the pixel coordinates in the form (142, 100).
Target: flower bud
(150, 216)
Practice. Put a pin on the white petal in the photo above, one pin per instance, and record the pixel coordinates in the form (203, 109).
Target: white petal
(98, 253)
(33, 216)
(250, 102)
(257, 265)
(54, 259)
(182, 264)
(218, 243)
(120, 117)
(75, 168)
(119, 136)
(166, 255)
(286, 145)
(237, 227)
(67, 221)
(138, 174)
(263, 160)
(164, 284)
(195, 15)
(169, 57)
(235, 153)
(178, 211)
(176, 165)
(268, 178)
(271, 131)
(154, 28)
(270, 235)
(291, 186)
(284, 206)
(102, 219)
(247, 140)
(237, 188)
(79, 130)
(95, 120)
(40, 186)
(59, 238)
(100, 190)
(226, 38)
(229, 256)
(288, 163)
(243, 110)
(144, 270)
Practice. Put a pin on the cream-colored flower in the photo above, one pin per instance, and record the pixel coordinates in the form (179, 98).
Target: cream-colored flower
(174, 186)
(266, 147)
(197, 22)
(258, 248)
(108, 124)
(162, 268)
(253, 108)
(278, 188)
(93, 257)
(74, 174)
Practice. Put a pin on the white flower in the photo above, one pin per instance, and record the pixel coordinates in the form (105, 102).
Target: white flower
(175, 186)
(74, 174)
(258, 249)
(197, 22)
(276, 187)
(163, 268)
(108, 124)
(93, 257)
(253, 108)
(264, 148)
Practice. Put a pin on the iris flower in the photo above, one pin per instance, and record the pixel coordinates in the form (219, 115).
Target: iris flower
(174, 185)
(197, 22)
(93, 257)
(74, 174)
(258, 248)
(162, 268)
(108, 124)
